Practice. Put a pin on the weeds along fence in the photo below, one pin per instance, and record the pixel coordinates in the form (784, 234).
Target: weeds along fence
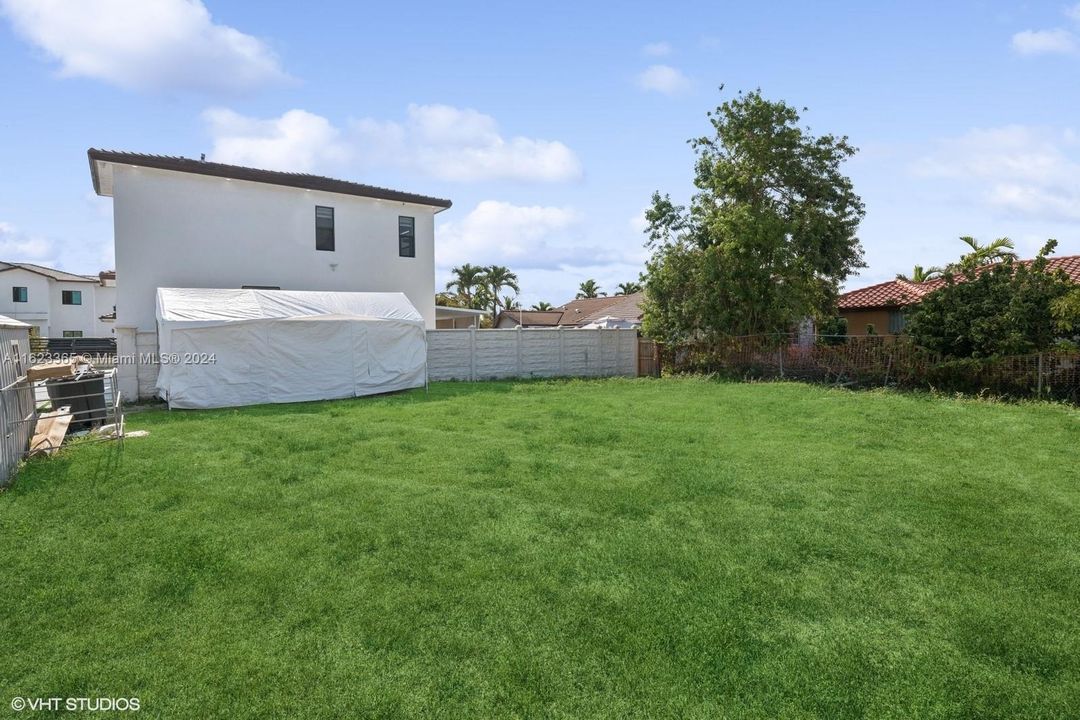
(860, 361)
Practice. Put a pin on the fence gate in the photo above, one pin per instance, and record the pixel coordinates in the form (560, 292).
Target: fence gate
(648, 358)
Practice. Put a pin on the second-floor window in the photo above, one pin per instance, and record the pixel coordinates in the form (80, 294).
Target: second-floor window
(71, 297)
(18, 294)
(72, 333)
(406, 232)
(324, 228)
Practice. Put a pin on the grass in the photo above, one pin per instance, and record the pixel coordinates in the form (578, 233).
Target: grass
(673, 548)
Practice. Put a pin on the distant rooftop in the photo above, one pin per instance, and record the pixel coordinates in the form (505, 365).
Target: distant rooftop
(48, 272)
(101, 162)
(898, 293)
(581, 311)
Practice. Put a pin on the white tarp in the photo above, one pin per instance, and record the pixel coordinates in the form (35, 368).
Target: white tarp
(222, 348)
(611, 323)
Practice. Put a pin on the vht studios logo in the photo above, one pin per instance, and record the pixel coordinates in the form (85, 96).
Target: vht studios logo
(55, 704)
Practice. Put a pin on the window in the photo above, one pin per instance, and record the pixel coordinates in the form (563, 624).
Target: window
(897, 321)
(406, 236)
(324, 228)
(18, 294)
(260, 287)
(73, 333)
(71, 297)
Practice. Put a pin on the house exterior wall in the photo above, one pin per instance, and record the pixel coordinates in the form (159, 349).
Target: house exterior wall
(35, 311)
(82, 318)
(177, 229)
(857, 321)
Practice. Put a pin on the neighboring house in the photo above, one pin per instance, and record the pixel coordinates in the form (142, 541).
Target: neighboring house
(56, 303)
(455, 318)
(883, 306)
(616, 311)
(179, 222)
(529, 318)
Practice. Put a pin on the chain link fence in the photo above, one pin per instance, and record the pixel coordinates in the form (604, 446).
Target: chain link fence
(862, 361)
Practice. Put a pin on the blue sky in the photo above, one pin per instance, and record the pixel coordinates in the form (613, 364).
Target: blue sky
(549, 128)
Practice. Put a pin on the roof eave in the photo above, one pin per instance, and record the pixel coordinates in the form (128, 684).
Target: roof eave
(268, 177)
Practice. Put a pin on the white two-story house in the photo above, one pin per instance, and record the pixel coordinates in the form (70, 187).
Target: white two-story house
(179, 222)
(56, 303)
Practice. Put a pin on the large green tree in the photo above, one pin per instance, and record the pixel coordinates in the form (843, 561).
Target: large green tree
(589, 289)
(988, 254)
(769, 234)
(497, 277)
(920, 274)
(466, 280)
(1010, 308)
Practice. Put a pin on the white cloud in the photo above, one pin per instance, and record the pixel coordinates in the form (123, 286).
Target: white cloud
(298, 141)
(1044, 42)
(542, 244)
(18, 247)
(657, 49)
(522, 237)
(436, 140)
(145, 44)
(1073, 13)
(1016, 170)
(663, 79)
(457, 144)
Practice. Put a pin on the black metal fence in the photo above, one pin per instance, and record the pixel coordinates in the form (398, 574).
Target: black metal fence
(859, 361)
(64, 347)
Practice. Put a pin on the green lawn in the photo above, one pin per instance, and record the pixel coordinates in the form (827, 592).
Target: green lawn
(672, 548)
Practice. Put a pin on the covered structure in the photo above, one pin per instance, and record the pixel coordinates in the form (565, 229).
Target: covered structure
(224, 347)
(455, 318)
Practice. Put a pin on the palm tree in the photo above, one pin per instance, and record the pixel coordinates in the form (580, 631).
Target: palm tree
(589, 289)
(510, 303)
(541, 305)
(995, 252)
(629, 288)
(467, 279)
(920, 274)
(496, 278)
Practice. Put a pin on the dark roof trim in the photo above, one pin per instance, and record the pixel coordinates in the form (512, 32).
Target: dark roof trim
(71, 277)
(271, 177)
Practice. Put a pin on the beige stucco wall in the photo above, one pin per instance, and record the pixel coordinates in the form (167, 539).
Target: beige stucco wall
(858, 320)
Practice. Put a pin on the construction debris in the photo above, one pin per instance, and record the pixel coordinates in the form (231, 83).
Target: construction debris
(55, 369)
(50, 431)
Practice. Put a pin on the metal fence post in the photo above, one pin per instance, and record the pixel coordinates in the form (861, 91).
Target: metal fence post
(519, 368)
(1039, 391)
(472, 354)
(561, 351)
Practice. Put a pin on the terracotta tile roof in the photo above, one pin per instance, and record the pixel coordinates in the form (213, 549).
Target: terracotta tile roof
(894, 293)
(898, 293)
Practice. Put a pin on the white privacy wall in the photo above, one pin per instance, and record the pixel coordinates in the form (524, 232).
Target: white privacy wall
(531, 352)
